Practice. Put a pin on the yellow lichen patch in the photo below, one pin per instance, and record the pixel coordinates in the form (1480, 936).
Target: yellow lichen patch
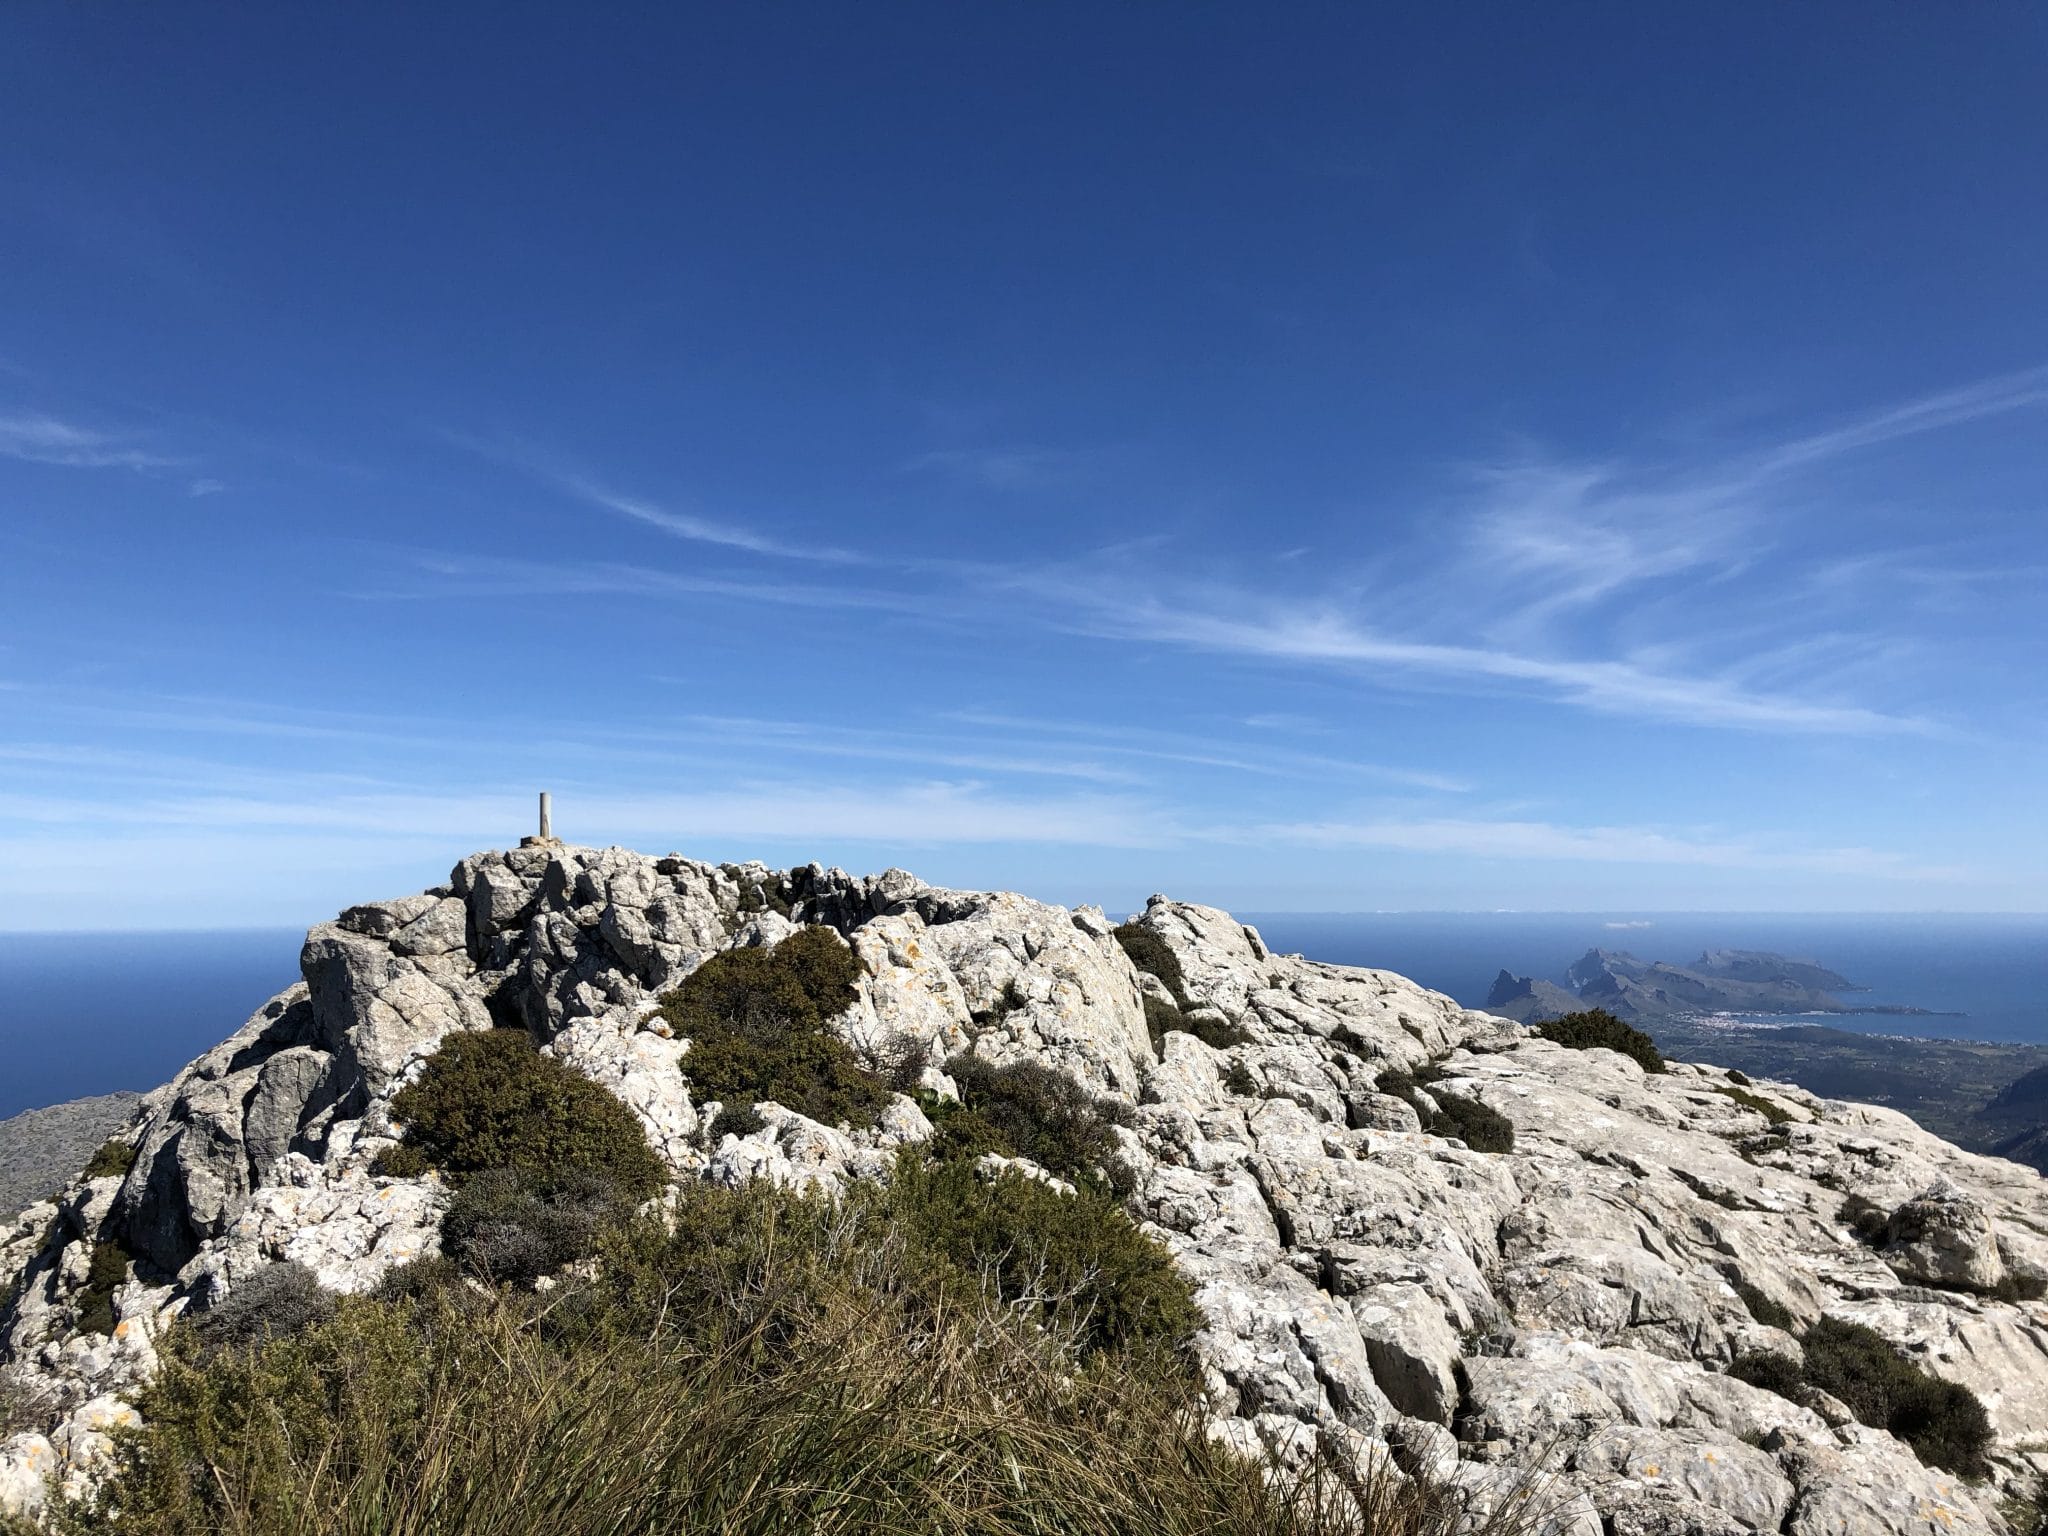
(1651, 1469)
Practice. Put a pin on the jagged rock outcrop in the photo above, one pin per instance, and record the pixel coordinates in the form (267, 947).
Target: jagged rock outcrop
(1570, 1305)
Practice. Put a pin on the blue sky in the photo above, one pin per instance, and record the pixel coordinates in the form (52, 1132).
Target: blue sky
(1579, 457)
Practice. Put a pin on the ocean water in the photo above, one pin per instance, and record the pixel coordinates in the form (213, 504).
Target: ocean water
(1991, 971)
(84, 1013)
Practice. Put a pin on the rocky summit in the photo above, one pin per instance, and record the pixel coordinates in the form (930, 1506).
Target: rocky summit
(1306, 1139)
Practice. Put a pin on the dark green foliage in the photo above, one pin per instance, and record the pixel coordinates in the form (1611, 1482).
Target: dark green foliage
(1597, 1029)
(489, 1099)
(113, 1160)
(276, 1300)
(1149, 953)
(797, 987)
(1218, 1034)
(737, 1117)
(755, 1020)
(1025, 1109)
(1160, 1018)
(104, 1275)
(1076, 1256)
(506, 1225)
(1739, 1079)
(1774, 1113)
(1239, 1080)
(777, 1363)
(1944, 1423)
(1871, 1222)
(1480, 1127)
(1774, 1373)
(1772, 1314)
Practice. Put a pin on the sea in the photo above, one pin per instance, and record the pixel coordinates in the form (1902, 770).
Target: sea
(87, 1013)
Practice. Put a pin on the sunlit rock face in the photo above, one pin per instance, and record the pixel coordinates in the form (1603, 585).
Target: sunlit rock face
(1570, 1304)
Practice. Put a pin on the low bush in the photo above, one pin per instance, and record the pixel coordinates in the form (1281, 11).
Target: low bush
(1151, 954)
(1773, 1372)
(1025, 1109)
(1942, 1421)
(1772, 1314)
(1479, 1126)
(276, 1300)
(1239, 1080)
(105, 1274)
(1161, 1019)
(1217, 1034)
(756, 1022)
(488, 1099)
(113, 1160)
(1597, 1029)
(1869, 1221)
(1774, 1113)
(1075, 1257)
(508, 1225)
(1739, 1079)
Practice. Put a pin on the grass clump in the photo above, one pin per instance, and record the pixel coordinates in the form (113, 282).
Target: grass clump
(756, 1021)
(1944, 1422)
(1777, 1114)
(775, 1363)
(1025, 1109)
(489, 1100)
(113, 1160)
(1597, 1029)
(1479, 1126)
(105, 1273)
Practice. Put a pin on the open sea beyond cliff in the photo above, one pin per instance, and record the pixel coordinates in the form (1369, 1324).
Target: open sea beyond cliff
(87, 1013)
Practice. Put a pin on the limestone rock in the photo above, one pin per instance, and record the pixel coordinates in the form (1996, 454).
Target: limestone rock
(1548, 1323)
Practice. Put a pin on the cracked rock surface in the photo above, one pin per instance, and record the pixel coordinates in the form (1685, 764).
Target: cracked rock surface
(1570, 1305)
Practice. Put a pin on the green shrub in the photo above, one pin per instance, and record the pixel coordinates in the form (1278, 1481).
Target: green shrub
(1239, 1080)
(1077, 1257)
(1943, 1422)
(276, 1300)
(792, 1366)
(756, 1022)
(113, 1160)
(1772, 1372)
(797, 986)
(488, 1099)
(1772, 1314)
(1597, 1029)
(1149, 953)
(1161, 1018)
(1739, 1079)
(1026, 1109)
(1217, 1034)
(1772, 1112)
(104, 1275)
(2014, 1286)
(1479, 1126)
(507, 1225)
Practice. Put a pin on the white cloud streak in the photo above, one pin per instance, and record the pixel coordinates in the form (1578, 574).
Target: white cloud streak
(39, 439)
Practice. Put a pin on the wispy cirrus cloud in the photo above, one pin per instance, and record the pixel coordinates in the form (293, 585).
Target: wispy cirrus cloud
(1013, 468)
(41, 439)
(1550, 842)
(689, 526)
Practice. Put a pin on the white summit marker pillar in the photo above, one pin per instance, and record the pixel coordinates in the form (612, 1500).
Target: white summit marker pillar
(547, 838)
